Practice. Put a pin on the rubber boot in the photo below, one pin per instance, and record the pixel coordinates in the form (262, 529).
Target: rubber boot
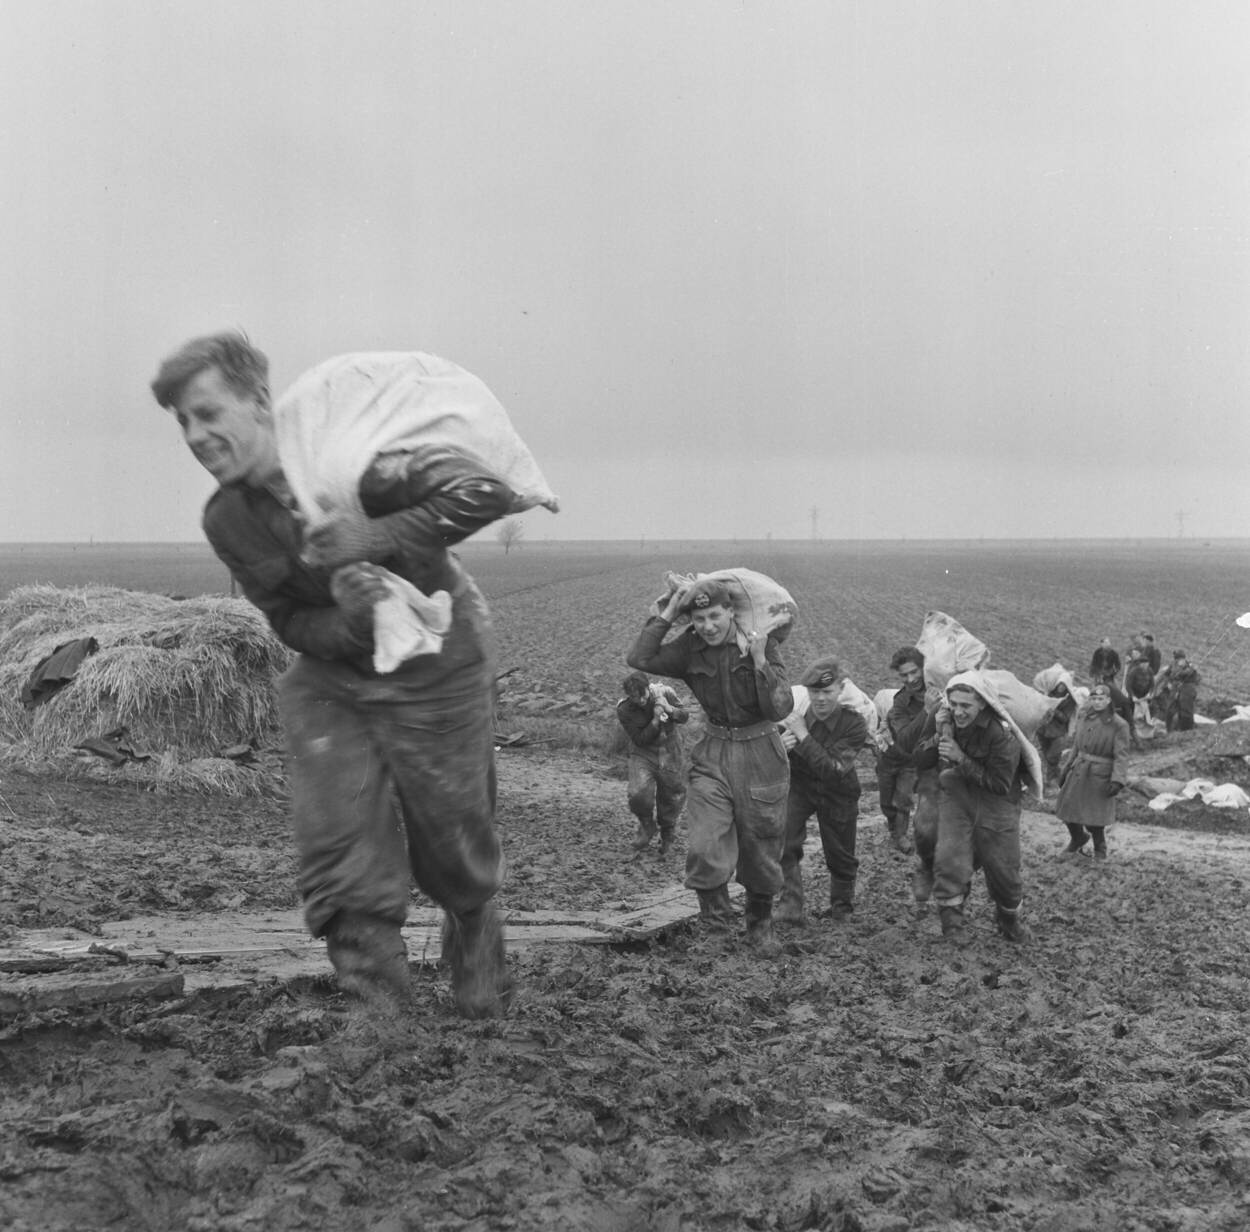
(715, 910)
(646, 832)
(666, 841)
(789, 908)
(841, 898)
(761, 935)
(473, 948)
(1100, 841)
(1077, 838)
(370, 958)
(922, 885)
(954, 926)
(1009, 924)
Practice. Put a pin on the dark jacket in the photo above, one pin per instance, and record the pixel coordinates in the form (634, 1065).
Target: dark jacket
(724, 681)
(429, 498)
(993, 760)
(823, 762)
(641, 724)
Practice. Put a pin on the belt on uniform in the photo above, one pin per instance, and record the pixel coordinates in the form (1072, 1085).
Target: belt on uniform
(753, 731)
(1098, 761)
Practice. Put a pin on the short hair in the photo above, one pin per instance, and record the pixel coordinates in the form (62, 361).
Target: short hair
(636, 682)
(906, 654)
(243, 367)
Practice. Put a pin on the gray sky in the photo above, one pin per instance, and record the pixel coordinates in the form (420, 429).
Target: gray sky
(932, 269)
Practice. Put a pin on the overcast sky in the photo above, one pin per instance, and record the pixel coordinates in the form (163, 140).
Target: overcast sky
(882, 268)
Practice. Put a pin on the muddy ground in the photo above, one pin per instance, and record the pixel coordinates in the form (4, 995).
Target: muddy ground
(868, 1079)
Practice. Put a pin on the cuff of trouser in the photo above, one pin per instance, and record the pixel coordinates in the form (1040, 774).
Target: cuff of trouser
(1008, 910)
(957, 901)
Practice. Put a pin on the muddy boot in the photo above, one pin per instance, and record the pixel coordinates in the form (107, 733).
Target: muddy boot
(922, 885)
(841, 898)
(369, 957)
(1100, 841)
(899, 825)
(954, 926)
(789, 908)
(473, 949)
(715, 910)
(646, 832)
(1077, 838)
(761, 936)
(666, 841)
(1009, 926)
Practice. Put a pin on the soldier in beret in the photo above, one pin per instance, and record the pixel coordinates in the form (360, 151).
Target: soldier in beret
(822, 746)
(739, 772)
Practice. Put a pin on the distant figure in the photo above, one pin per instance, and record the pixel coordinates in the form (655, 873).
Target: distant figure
(1154, 656)
(1139, 683)
(650, 715)
(896, 770)
(823, 746)
(1177, 686)
(1093, 774)
(1105, 663)
(739, 772)
(1052, 733)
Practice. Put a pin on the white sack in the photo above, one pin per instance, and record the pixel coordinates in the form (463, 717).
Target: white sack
(948, 648)
(338, 416)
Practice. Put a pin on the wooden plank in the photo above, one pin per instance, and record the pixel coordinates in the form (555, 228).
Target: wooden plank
(66, 990)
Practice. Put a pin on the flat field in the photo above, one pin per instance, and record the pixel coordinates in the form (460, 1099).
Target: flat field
(567, 612)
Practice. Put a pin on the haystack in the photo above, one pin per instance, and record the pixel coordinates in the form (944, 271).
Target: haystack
(187, 678)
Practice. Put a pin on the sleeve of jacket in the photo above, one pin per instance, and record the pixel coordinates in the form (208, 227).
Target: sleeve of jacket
(431, 498)
(924, 752)
(831, 759)
(317, 630)
(650, 653)
(772, 685)
(1119, 752)
(997, 771)
(907, 729)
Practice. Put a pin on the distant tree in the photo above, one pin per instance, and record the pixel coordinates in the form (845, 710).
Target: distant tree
(510, 533)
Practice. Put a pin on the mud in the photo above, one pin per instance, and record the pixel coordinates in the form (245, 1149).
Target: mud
(868, 1080)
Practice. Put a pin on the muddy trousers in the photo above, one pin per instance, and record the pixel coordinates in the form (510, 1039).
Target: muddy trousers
(895, 783)
(976, 827)
(837, 818)
(735, 812)
(925, 818)
(657, 791)
(391, 777)
(1081, 834)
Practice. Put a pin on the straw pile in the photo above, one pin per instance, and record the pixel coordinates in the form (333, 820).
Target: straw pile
(188, 679)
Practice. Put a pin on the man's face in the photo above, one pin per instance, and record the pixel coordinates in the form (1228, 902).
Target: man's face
(1099, 697)
(825, 701)
(712, 624)
(912, 677)
(230, 434)
(965, 705)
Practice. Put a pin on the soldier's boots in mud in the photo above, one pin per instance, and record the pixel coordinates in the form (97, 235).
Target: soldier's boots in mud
(789, 909)
(666, 841)
(473, 949)
(716, 911)
(646, 832)
(370, 958)
(922, 885)
(954, 926)
(841, 899)
(1078, 836)
(761, 936)
(1010, 927)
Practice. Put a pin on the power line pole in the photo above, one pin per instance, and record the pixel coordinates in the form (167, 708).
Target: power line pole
(815, 521)
(1180, 524)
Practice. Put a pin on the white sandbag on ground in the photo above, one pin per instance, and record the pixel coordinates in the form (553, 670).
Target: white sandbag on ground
(336, 417)
(948, 648)
(759, 604)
